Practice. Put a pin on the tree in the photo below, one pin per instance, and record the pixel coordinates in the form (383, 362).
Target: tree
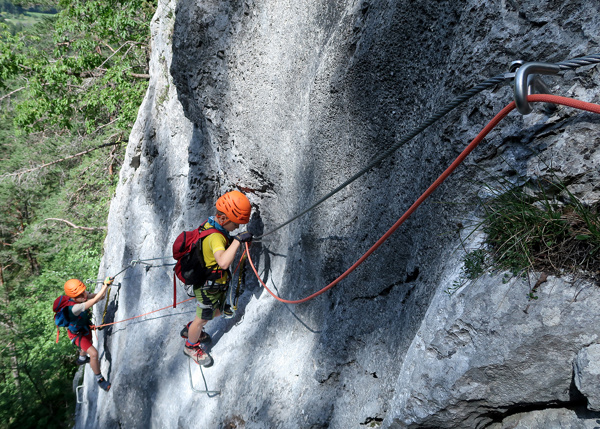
(70, 88)
(90, 73)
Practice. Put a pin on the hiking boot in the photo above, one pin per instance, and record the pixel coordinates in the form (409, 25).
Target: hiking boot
(197, 355)
(204, 337)
(105, 385)
(80, 361)
(228, 312)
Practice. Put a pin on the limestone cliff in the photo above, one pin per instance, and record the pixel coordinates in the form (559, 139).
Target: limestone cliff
(285, 100)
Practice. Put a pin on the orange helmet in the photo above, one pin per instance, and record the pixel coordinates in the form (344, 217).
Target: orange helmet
(74, 288)
(236, 206)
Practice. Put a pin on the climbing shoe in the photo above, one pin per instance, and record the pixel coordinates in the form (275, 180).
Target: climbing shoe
(105, 385)
(80, 361)
(198, 355)
(228, 312)
(204, 337)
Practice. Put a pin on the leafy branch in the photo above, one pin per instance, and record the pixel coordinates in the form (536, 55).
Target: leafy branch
(76, 80)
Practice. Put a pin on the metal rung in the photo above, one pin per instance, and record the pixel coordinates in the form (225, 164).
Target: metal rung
(208, 392)
(77, 395)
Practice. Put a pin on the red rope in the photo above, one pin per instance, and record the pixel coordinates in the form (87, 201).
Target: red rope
(141, 315)
(595, 108)
(160, 309)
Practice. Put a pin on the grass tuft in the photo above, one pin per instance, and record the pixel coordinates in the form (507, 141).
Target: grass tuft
(542, 226)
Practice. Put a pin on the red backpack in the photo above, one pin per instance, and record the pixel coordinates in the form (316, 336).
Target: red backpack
(191, 268)
(61, 313)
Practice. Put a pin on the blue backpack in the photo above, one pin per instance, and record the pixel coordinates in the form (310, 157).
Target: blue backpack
(61, 313)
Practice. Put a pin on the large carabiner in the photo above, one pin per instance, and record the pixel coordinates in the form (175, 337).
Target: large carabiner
(526, 82)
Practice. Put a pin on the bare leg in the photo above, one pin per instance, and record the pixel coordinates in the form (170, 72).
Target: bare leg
(93, 353)
(196, 328)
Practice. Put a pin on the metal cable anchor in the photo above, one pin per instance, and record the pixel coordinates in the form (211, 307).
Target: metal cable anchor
(527, 82)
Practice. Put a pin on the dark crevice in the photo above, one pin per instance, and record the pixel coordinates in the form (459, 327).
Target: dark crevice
(333, 377)
(538, 24)
(577, 403)
(408, 293)
(410, 277)
(135, 162)
(370, 420)
(386, 291)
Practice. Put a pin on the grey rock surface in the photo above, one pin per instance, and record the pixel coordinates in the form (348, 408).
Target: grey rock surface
(587, 375)
(576, 418)
(284, 101)
(485, 352)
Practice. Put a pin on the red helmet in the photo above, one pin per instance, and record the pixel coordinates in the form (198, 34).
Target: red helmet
(74, 288)
(236, 206)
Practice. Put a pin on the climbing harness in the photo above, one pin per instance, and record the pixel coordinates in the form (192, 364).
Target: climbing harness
(208, 392)
(487, 84)
(590, 107)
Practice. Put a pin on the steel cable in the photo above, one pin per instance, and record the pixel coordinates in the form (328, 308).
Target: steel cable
(489, 83)
(590, 107)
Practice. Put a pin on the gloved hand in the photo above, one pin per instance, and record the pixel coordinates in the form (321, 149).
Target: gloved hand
(244, 237)
(108, 281)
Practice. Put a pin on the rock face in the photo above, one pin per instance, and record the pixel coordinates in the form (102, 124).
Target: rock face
(493, 354)
(285, 100)
(587, 374)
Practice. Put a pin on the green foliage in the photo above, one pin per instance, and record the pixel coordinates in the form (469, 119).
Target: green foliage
(36, 257)
(68, 84)
(41, 391)
(542, 227)
(92, 71)
(537, 226)
(474, 265)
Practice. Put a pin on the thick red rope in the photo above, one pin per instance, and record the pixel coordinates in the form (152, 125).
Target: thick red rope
(595, 108)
